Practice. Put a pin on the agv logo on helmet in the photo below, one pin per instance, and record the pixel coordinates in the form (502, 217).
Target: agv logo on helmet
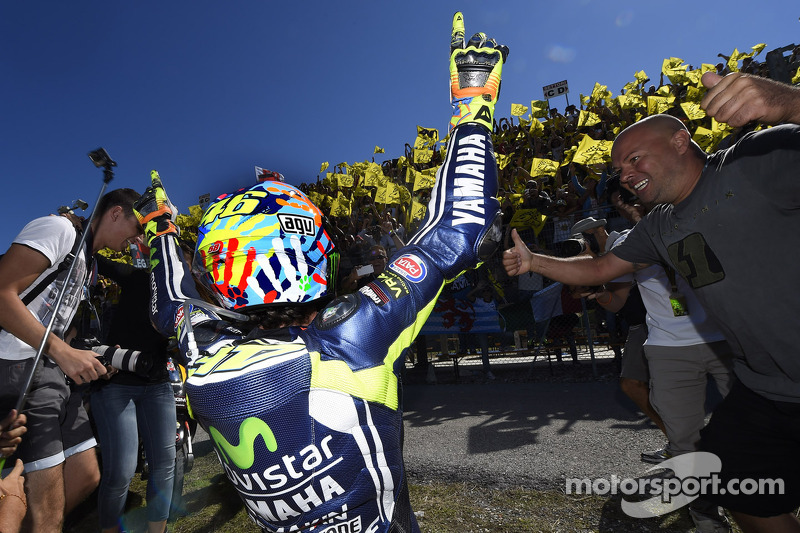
(297, 224)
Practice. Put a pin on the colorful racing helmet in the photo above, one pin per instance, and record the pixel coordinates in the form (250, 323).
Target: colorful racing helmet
(263, 245)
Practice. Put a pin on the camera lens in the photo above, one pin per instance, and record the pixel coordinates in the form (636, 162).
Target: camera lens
(573, 247)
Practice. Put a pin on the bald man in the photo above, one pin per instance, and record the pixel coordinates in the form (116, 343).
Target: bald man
(729, 223)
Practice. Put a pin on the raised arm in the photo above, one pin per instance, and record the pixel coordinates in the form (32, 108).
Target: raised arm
(741, 98)
(581, 270)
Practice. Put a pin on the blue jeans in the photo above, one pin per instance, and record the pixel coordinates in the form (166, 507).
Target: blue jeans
(119, 410)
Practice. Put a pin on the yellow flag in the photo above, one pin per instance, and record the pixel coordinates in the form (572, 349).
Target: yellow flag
(517, 110)
(426, 137)
(693, 94)
(537, 128)
(380, 195)
(674, 69)
(341, 206)
(543, 167)
(569, 154)
(796, 77)
(344, 180)
(738, 56)
(422, 155)
(528, 218)
(502, 160)
(693, 78)
(759, 47)
(360, 192)
(539, 108)
(629, 87)
(693, 110)
(417, 210)
(733, 61)
(591, 152)
(373, 175)
(423, 180)
(613, 105)
(631, 100)
(587, 118)
(323, 167)
(392, 193)
(405, 196)
(657, 104)
(330, 180)
(379, 150)
(641, 77)
(664, 91)
(705, 138)
(720, 129)
(410, 175)
(600, 92)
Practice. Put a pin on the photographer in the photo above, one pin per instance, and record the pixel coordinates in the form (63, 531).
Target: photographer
(130, 401)
(535, 198)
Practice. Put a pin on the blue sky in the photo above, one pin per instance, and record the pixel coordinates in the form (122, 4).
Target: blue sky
(205, 90)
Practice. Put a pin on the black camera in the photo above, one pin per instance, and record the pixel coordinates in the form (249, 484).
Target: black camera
(101, 159)
(579, 243)
(119, 358)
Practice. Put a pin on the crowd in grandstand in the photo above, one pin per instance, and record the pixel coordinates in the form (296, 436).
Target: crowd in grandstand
(554, 166)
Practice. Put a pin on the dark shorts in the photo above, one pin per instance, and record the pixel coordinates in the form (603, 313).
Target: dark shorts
(634, 363)
(58, 425)
(759, 439)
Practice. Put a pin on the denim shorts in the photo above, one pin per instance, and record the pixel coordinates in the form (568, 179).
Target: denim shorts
(58, 425)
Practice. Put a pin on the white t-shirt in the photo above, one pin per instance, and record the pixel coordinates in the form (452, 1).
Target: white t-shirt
(663, 327)
(53, 237)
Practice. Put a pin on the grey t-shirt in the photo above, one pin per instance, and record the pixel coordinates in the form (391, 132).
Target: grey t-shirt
(736, 240)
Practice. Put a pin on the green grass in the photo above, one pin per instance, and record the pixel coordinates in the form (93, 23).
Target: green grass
(213, 506)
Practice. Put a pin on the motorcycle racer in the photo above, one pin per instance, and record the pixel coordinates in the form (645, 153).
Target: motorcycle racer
(303, 407)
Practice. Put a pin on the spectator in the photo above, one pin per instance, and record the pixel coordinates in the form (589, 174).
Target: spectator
(360, 275)
(561, 328)
(476, 290)
(131, 401)
(391, 235)
(712, 248)
(58, 451)
(683, 349)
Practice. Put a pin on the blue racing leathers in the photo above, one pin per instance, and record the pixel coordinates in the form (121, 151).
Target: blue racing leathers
(307, 422)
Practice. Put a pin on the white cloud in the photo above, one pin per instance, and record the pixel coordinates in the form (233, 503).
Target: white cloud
(560, 54)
